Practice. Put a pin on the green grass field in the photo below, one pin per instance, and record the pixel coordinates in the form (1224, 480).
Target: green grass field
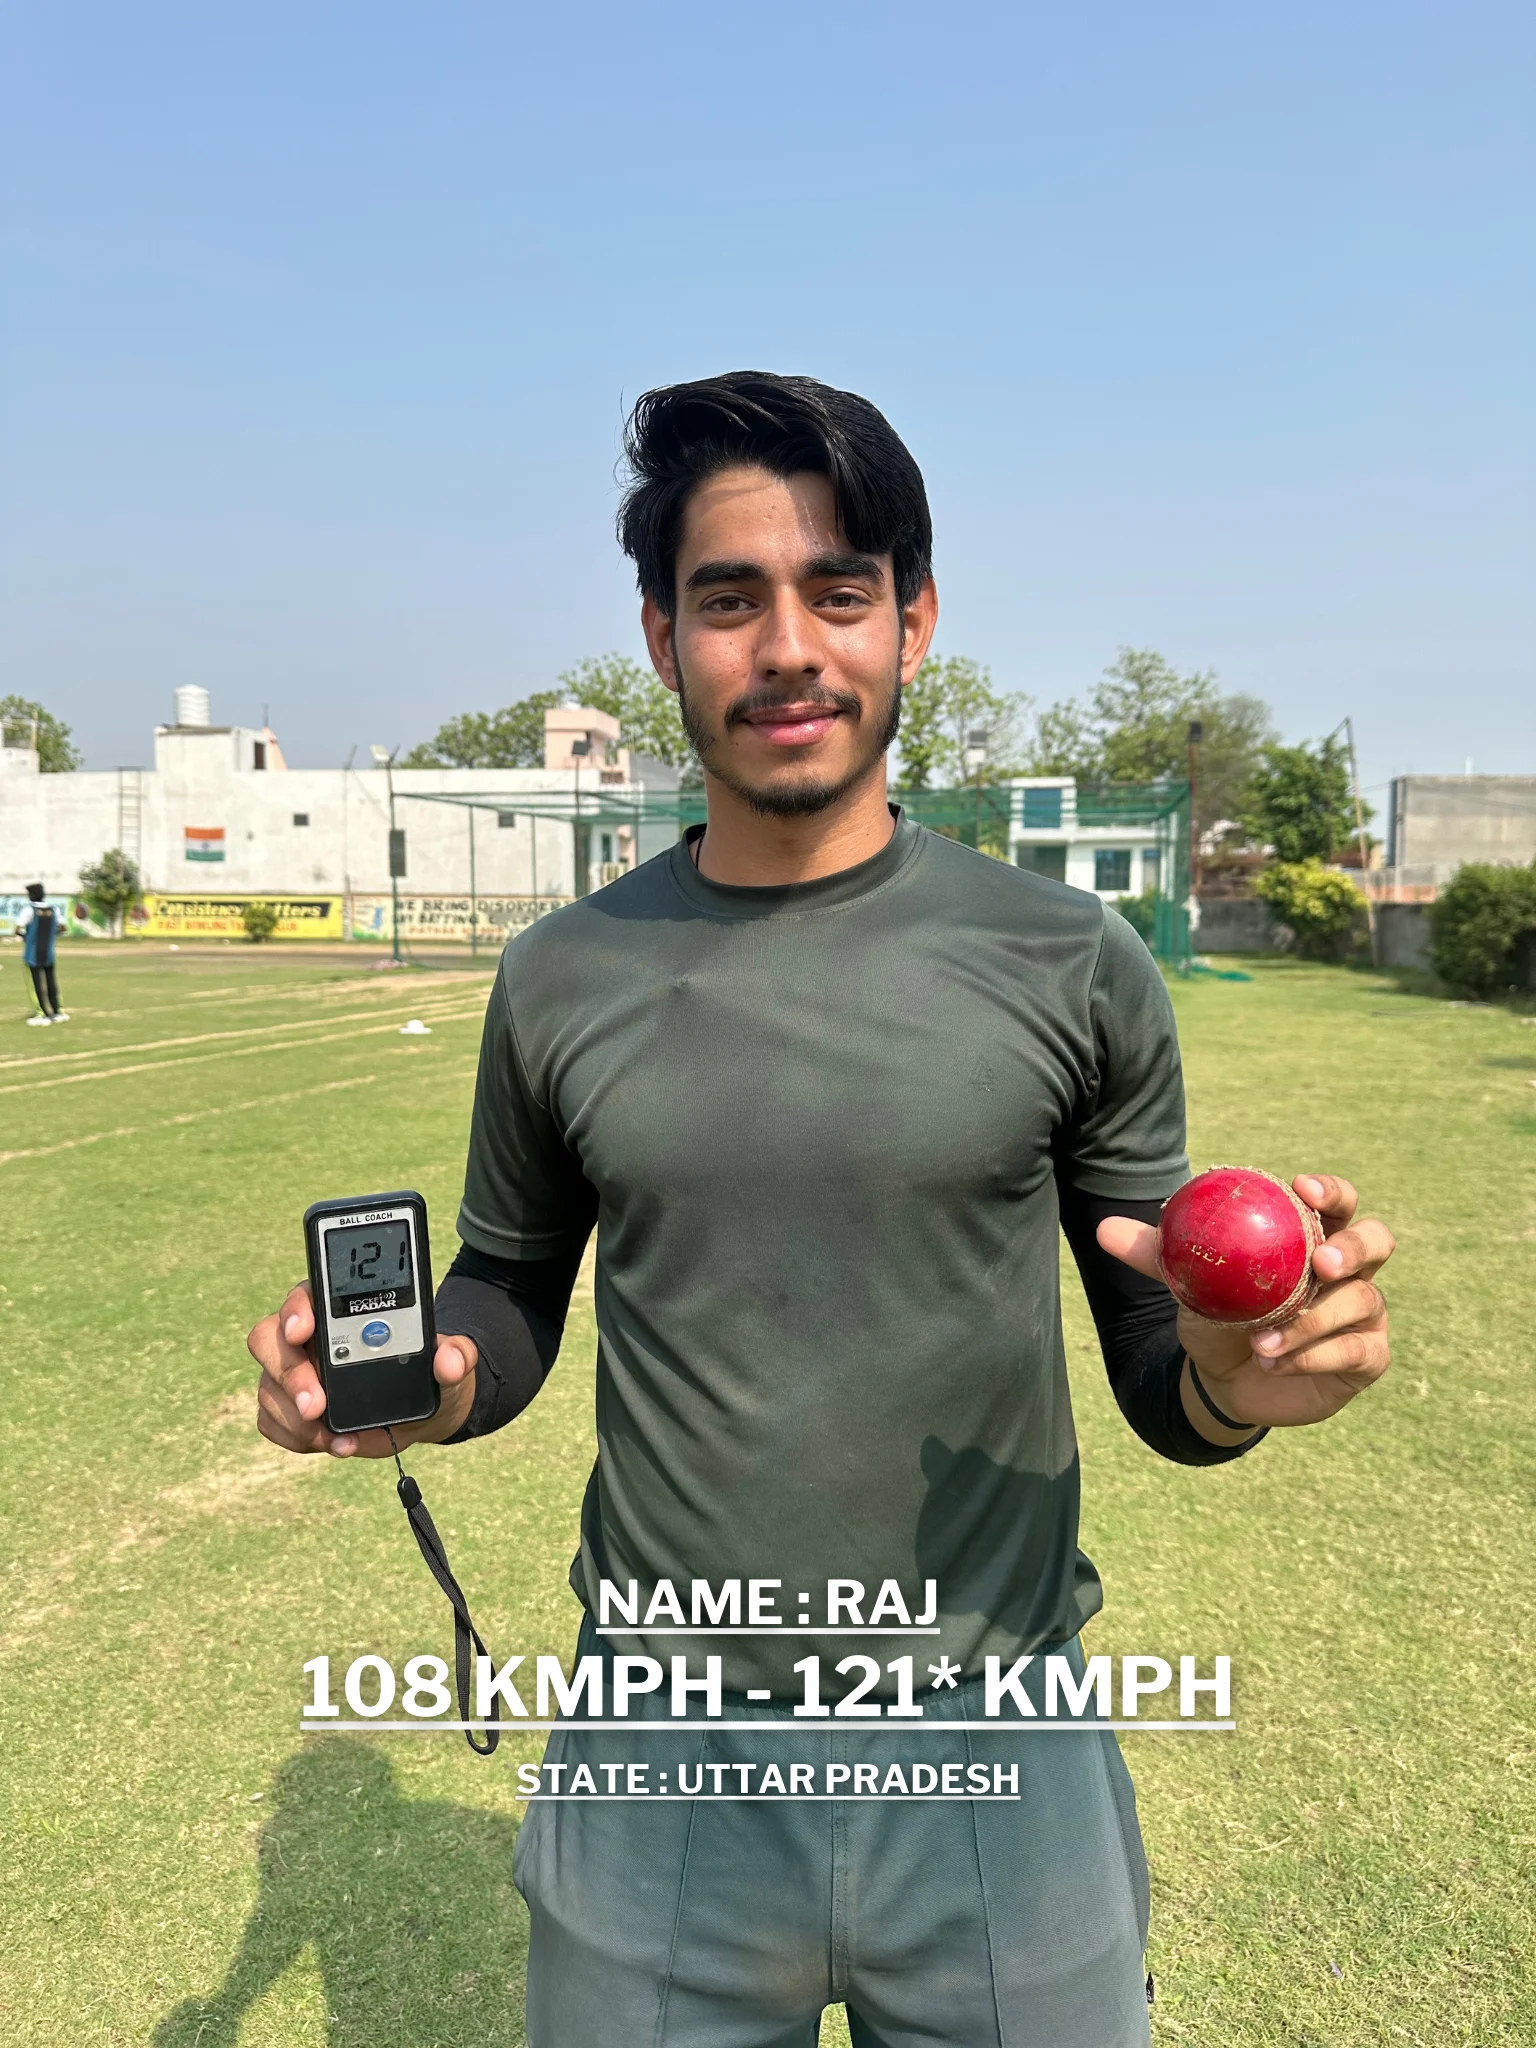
(1355, 1865)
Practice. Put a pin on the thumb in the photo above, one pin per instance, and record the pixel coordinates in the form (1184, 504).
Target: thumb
(1136, 1243)
(456, 1358)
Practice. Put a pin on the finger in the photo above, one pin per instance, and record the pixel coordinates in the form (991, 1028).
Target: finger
(297, 1315)
(273, 1400)
(1351, 1303)
(1361, 1248)
(333, 1446)
(1334, 1200)
(1360, 1354)
(278, 1343)
(274, 1433)
(289, 1428)
(1136, 1243)
(455, 1359)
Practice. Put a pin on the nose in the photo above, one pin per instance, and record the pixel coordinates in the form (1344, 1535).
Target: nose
(789, 648)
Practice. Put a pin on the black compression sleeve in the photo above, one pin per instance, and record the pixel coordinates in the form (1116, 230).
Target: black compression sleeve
(1137, 1320)
(515, 1311)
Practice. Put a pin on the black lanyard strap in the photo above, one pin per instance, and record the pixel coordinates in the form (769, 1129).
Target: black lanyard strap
(464, 1631)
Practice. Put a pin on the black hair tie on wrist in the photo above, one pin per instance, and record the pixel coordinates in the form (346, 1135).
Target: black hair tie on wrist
(1226, 1421)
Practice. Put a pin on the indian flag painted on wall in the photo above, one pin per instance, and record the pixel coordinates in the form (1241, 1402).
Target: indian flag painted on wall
(204, 842)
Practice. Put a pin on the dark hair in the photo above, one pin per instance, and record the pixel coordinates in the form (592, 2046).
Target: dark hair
(682, 433)
(36, 891)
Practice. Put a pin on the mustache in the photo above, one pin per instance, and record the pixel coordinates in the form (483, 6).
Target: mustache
(751, 701)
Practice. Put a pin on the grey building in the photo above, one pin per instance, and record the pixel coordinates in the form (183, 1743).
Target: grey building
(1435, 823)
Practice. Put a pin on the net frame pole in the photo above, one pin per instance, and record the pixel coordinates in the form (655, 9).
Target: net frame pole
(474, 899)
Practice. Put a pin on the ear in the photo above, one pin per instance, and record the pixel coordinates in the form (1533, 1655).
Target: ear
(659, 641)
(919, 621)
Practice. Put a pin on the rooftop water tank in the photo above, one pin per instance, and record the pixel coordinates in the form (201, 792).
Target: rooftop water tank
(192, 705)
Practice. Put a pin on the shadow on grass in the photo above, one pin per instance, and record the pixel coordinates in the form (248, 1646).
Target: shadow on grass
(408, 1905)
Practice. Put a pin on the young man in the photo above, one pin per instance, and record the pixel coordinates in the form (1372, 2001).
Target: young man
(828, 1084)
(38, 929)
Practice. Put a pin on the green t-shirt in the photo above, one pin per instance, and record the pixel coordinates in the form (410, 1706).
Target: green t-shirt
(818, 1127)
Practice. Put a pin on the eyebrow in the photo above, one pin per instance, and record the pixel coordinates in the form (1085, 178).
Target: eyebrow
(820, 568)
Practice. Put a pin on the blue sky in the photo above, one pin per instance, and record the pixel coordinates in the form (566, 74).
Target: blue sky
(1210, 326)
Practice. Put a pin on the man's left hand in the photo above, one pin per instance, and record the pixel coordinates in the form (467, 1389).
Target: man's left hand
(1307, 1370)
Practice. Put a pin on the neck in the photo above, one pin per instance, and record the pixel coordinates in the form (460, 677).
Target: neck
(743, 849)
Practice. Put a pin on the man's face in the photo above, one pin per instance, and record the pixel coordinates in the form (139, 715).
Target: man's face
(786, 647)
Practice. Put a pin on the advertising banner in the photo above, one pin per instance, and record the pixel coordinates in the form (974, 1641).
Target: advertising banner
(495, 918)
(222, 917)
(76, 917)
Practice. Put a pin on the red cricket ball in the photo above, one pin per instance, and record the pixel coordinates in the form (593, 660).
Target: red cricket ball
(1236, 1247)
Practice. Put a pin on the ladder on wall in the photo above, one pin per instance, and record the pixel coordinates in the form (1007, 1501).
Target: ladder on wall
(130, 814)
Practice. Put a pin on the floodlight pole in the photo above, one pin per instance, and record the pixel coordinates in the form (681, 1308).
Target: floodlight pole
(976, 743)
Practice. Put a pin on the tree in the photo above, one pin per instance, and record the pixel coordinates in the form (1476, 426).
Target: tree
(510, 738)
(1066, 742)
(57, 753)
(1143, 707)
(111, 886)
(646, 709)
(946, 700)
(260, 921)
(1237, 729)
(1135, 728)
(1299, 801)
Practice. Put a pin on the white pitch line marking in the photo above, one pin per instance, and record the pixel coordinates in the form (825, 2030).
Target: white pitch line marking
(108, 1052)
(231, 1052)
(187, 1116)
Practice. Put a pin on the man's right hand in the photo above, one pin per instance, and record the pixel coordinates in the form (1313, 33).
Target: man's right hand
(290, 1401)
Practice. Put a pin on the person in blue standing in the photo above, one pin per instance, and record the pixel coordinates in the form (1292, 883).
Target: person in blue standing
(38, 929)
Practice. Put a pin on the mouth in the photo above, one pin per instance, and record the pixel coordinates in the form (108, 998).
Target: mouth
(792, 725)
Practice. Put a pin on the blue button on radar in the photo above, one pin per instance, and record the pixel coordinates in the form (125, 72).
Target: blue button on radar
(375, 1334)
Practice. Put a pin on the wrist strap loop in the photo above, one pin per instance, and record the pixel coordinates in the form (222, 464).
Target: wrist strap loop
(464, 1631)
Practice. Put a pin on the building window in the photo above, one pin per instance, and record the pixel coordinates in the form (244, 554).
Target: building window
(1151, 867)
(607, 849)
(506, 820)
(1112, 869)
(259, 754)
(301, 817)
(1042, 810)
(1043, 860)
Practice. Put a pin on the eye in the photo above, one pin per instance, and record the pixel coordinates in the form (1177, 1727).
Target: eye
(845, 600)
(729, 602)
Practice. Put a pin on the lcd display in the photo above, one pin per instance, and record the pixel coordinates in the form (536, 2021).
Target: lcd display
(368, 1266)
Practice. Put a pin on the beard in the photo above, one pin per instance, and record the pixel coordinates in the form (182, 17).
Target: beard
(798, 798)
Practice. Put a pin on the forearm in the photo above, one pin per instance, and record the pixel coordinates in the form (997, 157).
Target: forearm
(514, 1311)
(1137, 1323)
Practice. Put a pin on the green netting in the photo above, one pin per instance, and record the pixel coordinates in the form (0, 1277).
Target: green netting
(979, 815)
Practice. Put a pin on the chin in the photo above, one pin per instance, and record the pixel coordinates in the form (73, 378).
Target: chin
(798, 792)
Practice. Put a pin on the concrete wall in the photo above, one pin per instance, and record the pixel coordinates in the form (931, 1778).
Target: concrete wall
(203, 780)
(1238, 924)
(1440, 820)
(1402, 935)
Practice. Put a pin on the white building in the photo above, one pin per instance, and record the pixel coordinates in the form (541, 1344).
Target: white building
(222, 813)
(1099, 853)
